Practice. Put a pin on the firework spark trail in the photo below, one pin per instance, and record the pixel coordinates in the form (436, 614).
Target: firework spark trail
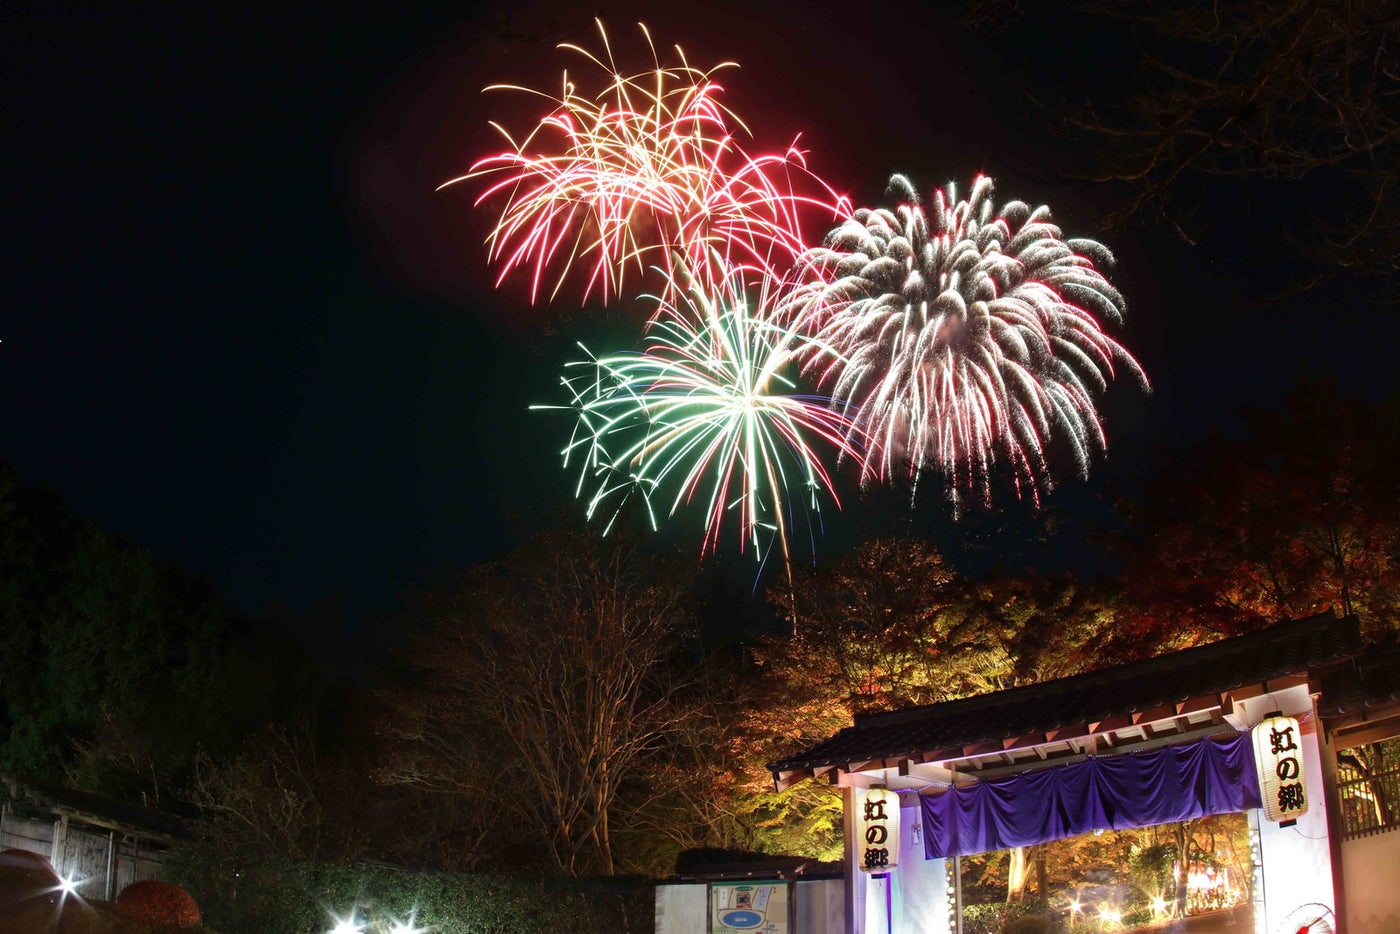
(706, 414)
(964, 334)
(649, 164)
(954, 338)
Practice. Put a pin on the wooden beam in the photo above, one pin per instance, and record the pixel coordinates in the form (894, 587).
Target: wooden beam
(1372, 731)
(1151, 714)
(1023, 742)
(789, 777)
(1200, 703)
(1071, 731)
(981, 749)
(1109, 724)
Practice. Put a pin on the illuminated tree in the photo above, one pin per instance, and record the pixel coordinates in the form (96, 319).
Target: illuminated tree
(886, 627)
(1301, 514)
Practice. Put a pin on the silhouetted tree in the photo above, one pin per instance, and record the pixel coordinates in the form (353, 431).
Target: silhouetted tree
(546, 686)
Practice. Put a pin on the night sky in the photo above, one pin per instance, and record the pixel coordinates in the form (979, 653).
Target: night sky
(246, 334)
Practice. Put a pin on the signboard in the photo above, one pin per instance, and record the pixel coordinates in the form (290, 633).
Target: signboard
(744, 907)
(877, 830)
(1278, 757)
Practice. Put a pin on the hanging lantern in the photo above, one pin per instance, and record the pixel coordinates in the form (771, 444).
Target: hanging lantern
(877, 830)
(1278, 758)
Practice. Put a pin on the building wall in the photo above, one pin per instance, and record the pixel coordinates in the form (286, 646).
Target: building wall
(84, 853)
(22, 833)
(821, 906)
(1369, 869)
(681, 908)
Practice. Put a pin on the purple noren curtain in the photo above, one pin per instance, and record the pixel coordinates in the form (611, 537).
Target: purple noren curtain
(1137, 789)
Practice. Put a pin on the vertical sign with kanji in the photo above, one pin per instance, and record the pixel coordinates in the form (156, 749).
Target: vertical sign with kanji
(877, 830)
(1278, 757)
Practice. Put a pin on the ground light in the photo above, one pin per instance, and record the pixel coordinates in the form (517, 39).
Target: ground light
(347, 925)
(406, 927)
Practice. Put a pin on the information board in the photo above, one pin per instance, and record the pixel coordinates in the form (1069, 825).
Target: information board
(749, 906)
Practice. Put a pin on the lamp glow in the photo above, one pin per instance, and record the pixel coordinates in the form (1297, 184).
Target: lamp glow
(407, 927)
(347, 925)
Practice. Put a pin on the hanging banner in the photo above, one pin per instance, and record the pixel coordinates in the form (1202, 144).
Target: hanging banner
(877, 830)
(1278, 757)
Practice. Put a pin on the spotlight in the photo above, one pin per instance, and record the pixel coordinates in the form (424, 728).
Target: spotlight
(347, 925)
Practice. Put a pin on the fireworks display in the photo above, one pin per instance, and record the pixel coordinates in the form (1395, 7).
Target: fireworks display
(708, 413)
(646, 168)
(965, 333)
(952, 338)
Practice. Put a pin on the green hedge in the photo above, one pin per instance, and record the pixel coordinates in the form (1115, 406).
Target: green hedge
(998, 917)
(276, 896)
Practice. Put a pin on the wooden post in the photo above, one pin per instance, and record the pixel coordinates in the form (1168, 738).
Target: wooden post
(1336, 826)
(60, 843)
(111, 865)
(957, 895)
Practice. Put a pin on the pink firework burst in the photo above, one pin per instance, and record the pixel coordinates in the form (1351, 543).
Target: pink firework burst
(646, 169)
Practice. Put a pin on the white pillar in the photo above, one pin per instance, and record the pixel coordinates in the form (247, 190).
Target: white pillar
(919, 886)
(1297, 860)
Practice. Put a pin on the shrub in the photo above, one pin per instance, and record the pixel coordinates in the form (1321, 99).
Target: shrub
(23, 874)
(300, 897)
(1030, 924)
(159, 905)
(998, 917)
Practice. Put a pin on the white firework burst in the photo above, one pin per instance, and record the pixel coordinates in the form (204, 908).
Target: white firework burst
(964, 335)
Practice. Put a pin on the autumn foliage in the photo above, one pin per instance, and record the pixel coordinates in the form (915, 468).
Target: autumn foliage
(158, 905)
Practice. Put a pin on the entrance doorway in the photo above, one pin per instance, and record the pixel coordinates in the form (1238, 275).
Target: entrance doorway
(1195, 876)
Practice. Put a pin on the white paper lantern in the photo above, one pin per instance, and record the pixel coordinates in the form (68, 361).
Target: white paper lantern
(1278, 757)
(877, 830)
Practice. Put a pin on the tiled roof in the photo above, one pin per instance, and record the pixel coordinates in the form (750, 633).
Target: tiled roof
(105, 812)
(1372, 682)
(1283, 649)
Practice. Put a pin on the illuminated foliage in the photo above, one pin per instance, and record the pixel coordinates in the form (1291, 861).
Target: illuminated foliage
(1301, 514)
(159, 905)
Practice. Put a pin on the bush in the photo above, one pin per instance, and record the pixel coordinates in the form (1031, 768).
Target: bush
(297, 897)
(158, 905)
(1030, 924)
(999, 918)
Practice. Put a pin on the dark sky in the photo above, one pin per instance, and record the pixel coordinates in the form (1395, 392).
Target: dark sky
(245, 333)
